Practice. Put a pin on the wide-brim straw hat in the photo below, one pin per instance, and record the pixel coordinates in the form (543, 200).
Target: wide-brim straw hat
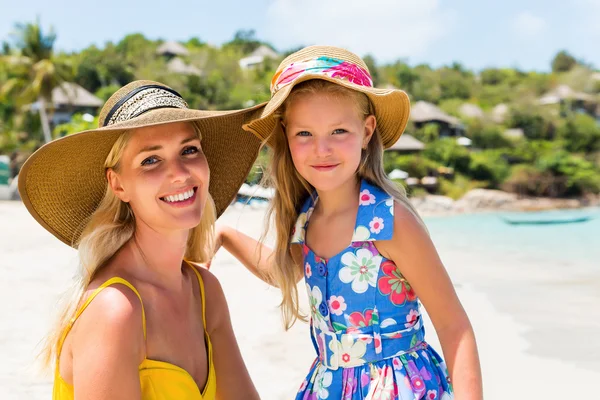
(391, 106)
(63, 182)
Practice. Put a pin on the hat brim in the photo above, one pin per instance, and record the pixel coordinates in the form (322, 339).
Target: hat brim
(63, 182)
(391, 106)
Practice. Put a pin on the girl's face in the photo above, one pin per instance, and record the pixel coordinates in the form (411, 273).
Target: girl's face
(164, 176)
(326, 134)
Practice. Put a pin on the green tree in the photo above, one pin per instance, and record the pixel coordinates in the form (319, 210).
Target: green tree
(78, 123)
(245, 41)
(454, 83)
(489, 166)
(449, 153)
(533, 123)
(563, 62)
(35, 73)
(581, 133)
(487, 136)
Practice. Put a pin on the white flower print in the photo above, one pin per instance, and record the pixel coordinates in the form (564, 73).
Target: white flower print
(360, 269)
(377, 339)
(315, 298)
(309, 212)
(299, 229)
(337, 305)
(307, 270)
(388, 322)
(390, 203)
(323, 380)
(382, 385)
(376, 225)
(431, 395)
(366, 198)
(361, 234)
(412, 319)
(446, 396)
(348, 352)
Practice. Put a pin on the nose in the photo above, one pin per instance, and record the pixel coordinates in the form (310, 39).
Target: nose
(179, 171)
(322, 147)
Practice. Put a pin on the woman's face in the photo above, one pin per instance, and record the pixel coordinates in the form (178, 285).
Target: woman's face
(164, 176)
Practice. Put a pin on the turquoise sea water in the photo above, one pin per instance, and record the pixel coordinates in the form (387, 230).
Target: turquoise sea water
(576, 245)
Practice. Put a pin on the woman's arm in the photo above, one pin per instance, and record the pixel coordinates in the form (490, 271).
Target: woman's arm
(233, 379)
(413, 252)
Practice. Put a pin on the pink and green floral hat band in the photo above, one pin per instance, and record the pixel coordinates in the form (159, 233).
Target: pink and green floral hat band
(325, 66)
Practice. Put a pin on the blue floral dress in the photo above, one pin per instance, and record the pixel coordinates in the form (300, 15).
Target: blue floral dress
(365, 319)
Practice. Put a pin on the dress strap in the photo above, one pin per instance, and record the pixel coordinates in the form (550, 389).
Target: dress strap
(202, 296)
(110, 282)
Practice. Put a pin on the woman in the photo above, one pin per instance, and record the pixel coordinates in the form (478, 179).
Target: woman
(136, 198)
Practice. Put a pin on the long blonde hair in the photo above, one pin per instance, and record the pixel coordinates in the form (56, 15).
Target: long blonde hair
(108, 229)
(291, 191)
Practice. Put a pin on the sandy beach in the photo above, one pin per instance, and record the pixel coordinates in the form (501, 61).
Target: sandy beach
(538, 328)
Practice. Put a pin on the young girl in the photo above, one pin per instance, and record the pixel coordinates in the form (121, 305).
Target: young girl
(133, 197)
(356, 239)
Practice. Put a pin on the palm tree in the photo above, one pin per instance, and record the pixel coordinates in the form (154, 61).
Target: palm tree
(33, 70)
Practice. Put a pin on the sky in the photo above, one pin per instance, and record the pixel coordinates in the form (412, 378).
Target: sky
(512, 33)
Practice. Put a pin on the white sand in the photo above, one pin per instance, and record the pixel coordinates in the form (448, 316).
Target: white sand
(35, 268)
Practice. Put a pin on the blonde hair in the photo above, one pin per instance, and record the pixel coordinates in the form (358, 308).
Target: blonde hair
(291, 190)
(108, 229)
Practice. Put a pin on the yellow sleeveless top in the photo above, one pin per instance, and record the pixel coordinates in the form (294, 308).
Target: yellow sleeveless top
(159, 380)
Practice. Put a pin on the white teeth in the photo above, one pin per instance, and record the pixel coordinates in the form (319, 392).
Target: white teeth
(180, 196)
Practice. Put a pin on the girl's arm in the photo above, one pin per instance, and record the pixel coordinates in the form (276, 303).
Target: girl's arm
(413, 252)
(255, 256)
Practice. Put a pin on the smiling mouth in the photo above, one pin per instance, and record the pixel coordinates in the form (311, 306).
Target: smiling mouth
(325, 166)
(180, 197)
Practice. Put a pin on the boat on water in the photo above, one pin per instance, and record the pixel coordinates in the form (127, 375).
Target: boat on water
(546, 220)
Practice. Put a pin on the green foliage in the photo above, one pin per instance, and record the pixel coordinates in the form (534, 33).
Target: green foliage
(105, 92)
(416, 165)
(455, 84)
(487, 136)
(533, 123)
(580, 132)
(458, 187)
(78, 123)
(563, 62)
(261, 164)
(244, 41)
(559, 155)
(450, 154)
(428, 133)
(489, 166)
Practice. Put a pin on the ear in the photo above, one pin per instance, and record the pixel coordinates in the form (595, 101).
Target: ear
(370, 125)
(114, 181)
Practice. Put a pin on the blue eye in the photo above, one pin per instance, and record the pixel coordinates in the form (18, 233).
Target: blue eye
(190, 150)
(339, 131)
(303, 133)
(150, 160)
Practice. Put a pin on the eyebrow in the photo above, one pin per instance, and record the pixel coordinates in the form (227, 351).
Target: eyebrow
(158, 147)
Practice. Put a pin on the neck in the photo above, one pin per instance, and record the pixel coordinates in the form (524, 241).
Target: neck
(340, 199)
(156, 257)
